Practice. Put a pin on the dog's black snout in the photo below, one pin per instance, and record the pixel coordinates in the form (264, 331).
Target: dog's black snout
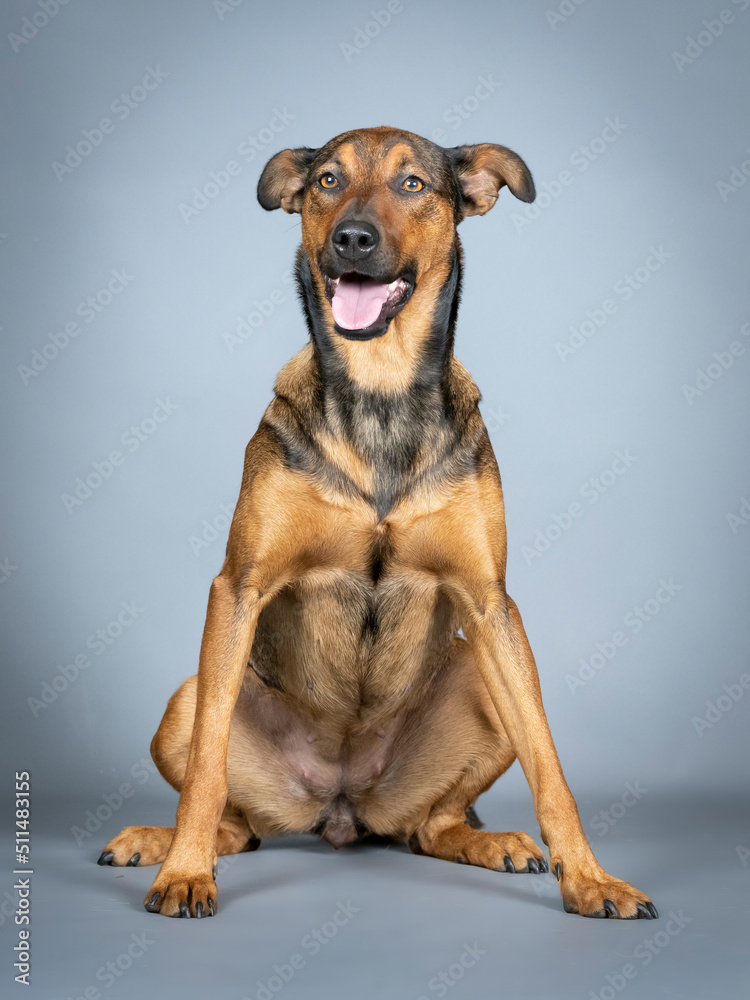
(355, 241)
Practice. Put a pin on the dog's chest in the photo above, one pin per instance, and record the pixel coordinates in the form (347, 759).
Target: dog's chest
(345, 643)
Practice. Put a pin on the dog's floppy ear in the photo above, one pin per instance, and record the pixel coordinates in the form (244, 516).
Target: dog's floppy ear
(485, 168)
(282, 182)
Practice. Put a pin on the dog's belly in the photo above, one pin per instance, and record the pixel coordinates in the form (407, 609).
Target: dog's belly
(344, 662)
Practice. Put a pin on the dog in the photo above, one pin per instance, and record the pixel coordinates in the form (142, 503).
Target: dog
(334, 693)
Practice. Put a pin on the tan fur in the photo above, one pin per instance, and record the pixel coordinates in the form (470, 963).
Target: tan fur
(329, 697)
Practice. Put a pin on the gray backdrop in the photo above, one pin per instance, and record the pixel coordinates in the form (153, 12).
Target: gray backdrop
(147, 307)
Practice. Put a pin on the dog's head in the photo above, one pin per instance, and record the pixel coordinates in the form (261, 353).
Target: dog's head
(379, 211)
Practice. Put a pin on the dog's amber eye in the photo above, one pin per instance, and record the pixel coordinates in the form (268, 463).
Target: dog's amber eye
(412, 184)
(328, 181)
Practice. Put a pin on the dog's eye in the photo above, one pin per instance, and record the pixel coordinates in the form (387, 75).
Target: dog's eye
(328, 181)
(412, 184)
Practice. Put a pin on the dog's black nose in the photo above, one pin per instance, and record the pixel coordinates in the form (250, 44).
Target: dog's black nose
(354, 241)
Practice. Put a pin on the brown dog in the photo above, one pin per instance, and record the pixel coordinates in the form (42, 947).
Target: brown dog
(334, 695)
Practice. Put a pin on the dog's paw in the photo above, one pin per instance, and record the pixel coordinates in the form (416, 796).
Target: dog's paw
(508, 852)
(175, 895)
(601, 895)
(138, 846)
(501, 852)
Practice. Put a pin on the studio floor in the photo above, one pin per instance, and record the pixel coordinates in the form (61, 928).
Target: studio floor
(298, 919)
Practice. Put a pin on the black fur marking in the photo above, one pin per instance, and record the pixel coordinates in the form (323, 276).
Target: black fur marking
(270, 682)
(379, 555)
(472, 819)
(391, 430)
(430, 432)
(370, 624)
(302, 453)
(273, 172)
(437, 162)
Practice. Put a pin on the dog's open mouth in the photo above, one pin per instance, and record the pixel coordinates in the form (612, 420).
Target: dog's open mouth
(362, 306)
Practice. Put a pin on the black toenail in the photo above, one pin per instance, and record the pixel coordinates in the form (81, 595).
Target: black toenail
(558, 871)
(151, 905)
(105, 858)
(198, 910)
(211, 906)
(532, 866)
(611, 909)
(184, 910)
(134, 860)
(652, 910)
(509, 866)
(543, 866)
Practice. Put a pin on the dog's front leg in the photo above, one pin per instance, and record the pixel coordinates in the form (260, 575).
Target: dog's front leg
(185, 885)
(496, 633)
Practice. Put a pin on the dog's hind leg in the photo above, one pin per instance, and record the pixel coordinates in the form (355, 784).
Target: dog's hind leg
(447, 835)
(451, 830)
(451, 750)
(148, 845)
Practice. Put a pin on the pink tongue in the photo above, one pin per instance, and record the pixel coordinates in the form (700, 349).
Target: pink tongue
(357, 302)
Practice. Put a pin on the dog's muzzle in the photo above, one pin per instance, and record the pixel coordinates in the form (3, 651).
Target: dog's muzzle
(362, 306)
